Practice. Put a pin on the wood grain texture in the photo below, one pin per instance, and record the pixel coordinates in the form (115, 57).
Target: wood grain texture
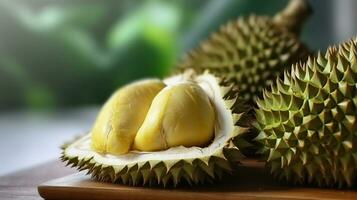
(23, 184)
(250, 182)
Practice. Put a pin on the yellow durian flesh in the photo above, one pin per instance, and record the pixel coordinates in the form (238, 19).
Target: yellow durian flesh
(180, 114)
(122, 115)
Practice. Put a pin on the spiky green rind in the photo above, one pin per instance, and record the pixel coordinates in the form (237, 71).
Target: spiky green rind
(155, 172)
(308, 121)
(252, 51)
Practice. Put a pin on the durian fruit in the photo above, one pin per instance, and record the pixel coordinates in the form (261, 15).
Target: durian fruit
(168, 116)
(116, 125)
(182, 129)
(308, 122)
(253, 50)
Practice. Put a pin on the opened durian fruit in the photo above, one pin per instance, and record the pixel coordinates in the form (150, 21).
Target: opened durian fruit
(308, 122)
(252, 51)
(181, 129)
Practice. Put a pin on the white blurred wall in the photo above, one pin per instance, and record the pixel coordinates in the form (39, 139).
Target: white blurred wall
(345, 19)
(29, 138)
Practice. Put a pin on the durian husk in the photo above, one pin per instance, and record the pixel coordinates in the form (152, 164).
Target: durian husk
(307, 122)
(197, 170)
(252, 51)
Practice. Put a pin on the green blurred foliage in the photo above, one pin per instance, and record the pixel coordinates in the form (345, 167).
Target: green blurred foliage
(59, 55)
(70, 53)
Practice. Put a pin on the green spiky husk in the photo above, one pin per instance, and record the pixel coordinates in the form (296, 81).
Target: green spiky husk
(155, 172)
(308, 121)
(251, 51)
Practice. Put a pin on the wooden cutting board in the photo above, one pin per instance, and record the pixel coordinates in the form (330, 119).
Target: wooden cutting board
(250, 182)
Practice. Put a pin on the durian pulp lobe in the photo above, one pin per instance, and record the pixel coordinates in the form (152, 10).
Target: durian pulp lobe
(122, 115)
(180, 114)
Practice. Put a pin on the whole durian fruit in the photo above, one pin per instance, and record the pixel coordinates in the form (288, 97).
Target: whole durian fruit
(181, 129)
(253, 50)
(308, 121)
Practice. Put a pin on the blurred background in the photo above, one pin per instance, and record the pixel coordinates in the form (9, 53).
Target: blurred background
(60, 60)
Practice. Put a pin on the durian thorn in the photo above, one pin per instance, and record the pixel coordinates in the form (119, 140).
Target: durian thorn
(294, 15)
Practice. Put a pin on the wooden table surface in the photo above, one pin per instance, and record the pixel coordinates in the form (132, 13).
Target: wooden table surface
(23, 184)
(251, 183)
